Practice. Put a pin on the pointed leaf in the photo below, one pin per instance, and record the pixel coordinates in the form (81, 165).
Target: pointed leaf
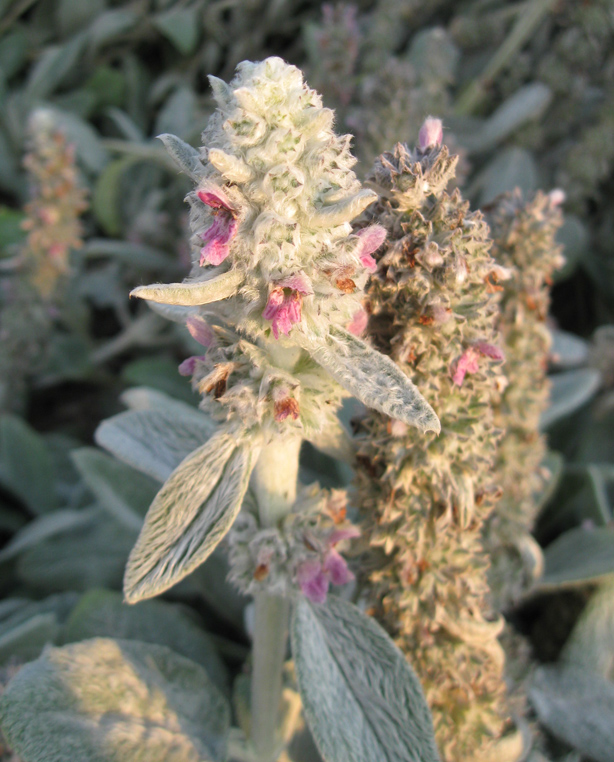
(120, 489)
(106, 700)
(181, 27)
(570, 390)
(579, 556)
(576, 706)
(344, 210)
(373, 378)
(184, 156)
(362, 700)
(591, 644)
(192, 292)
(155, 441)
(26, 466)
(190, 515)
(41, 528)
(102, 614)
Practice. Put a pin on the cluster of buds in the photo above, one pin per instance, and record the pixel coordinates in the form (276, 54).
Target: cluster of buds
(434, 304)
(275, 292)
(301, 554)
(523, 233)
(57, 201)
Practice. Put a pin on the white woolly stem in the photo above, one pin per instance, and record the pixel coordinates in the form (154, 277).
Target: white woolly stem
(274, 481)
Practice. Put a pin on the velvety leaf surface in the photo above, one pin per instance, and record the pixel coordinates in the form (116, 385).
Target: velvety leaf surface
(373, 378)
(102, 613)
(190, 515)
(155, 441)
(107, 700)
(579, 556)
(577, 706)
(570, 390)
(124, 492)
(362, 700)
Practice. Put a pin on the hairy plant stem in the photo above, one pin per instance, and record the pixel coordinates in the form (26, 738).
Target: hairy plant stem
(274, 482)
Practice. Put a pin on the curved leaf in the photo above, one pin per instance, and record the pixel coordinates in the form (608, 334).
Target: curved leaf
(155, 441)
(362, 700)
(373, 378)
(184, 156)
(190, 515)
(105, 700)
(192, 293)
(579, 556)
(570, 390)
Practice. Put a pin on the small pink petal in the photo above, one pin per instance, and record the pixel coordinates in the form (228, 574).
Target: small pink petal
(490, 350)
(431, 133)
(342, 534)
(467, 363)
(337, 569)
(294, 302)
(188, 366)
(557, 197)
(274, 301)
(282, 320)
(297, 282)
(200, 330)
(371, 239)
(215, 197)
(359, 323)
(217, 240)
(368, 262)
(312, 580)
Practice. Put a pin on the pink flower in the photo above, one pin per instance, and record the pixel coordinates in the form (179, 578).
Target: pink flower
(359, 323)
(285, 309)
(431, 133)
(315, 575)
(188, 366)
(468, 361)
(217, 238)
(371, 239)
(200, 330)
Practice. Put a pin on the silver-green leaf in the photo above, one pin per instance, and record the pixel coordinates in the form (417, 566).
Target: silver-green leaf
(191, 293)
(362, 700)
(190, 515)
(105, 700)
(155, 441)
(373, 378)
(184, 156)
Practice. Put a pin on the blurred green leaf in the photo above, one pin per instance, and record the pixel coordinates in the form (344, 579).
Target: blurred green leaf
(108, 700)
(574, 237)
(43, 527)
(11, 232)
(568, 350)
(26, 466)
(124, 492)
(570, 390)
(102, 613)
(178, 115)
(579, 556)
(511, 168)
(135, 255)
(181, 26)
(90, 150)
(108, 87)
(13, 51)
(90, 554)
(591, 644)
(576, 706)
(73, 15)
(111, 25)
(53, 65)
(160, 373)
(106, 200)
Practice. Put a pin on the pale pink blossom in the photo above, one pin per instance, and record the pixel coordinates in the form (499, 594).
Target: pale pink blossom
(218, 237)
(200, 330)
(284, 309)
(315, 575)
(431, 133)
(468, 362)
(188, 366)
(371, 239)
(359, 323)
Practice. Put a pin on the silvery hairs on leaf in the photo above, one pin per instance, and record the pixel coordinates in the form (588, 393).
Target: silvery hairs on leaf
(191, 514)
(274, 255)
(66, 706)
(362, 700)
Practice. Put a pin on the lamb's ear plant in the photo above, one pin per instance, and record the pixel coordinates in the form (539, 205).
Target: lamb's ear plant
(434, 302)
(524, 241)
(275, 299)
(36, 276)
